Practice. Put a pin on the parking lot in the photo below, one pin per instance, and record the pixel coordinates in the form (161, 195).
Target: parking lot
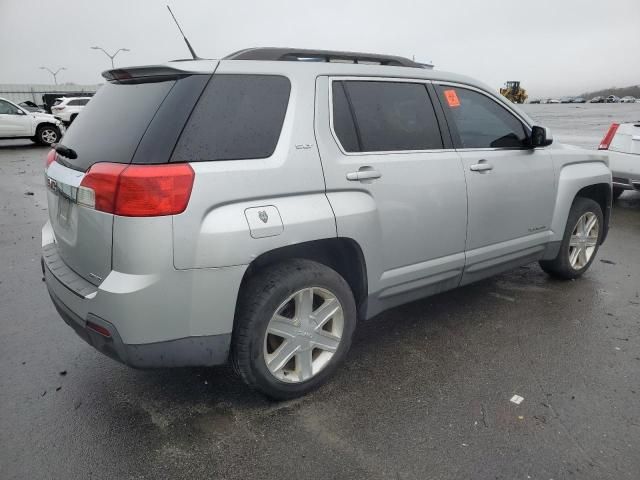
(425, 392)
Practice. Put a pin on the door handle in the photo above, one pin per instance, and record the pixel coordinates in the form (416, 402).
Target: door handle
(364, 173)
(481, 166)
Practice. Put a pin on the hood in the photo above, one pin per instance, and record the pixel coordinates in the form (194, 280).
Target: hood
(43, 116)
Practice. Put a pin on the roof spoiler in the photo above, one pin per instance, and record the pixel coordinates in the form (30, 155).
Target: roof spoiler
(143, 74)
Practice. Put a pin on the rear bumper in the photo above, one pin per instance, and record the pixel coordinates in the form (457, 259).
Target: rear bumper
(183, 352)
(167, 319)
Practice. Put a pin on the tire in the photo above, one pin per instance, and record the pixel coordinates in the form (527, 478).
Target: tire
(47, 135)
(562, 266)
(255, 346)
(617, 191)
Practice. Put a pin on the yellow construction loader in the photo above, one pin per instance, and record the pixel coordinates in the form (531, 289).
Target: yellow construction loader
(513, 92)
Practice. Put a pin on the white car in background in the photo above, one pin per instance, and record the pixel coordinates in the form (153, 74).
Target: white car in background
(17, 122)
(67, 109)
(622, 141)
(628, 99)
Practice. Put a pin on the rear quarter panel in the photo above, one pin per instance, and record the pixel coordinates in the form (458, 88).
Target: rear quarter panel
(214, 232)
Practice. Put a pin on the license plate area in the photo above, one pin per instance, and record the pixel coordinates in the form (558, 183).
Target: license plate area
(64, 210)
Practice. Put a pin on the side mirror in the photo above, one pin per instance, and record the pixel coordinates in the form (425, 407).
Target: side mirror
(540, 137)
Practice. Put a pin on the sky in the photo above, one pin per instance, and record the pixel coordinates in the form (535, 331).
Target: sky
(554, 47)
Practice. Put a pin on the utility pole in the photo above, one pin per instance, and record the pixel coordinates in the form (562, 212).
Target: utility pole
(55, 74)
(111, 57)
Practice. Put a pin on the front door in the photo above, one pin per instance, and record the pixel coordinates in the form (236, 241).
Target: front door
(13, 121)
(511, 187)
(393, 185)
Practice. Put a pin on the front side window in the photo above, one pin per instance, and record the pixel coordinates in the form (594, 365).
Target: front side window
(7, 109)
(385, 116)
(480, 121)
(237, 117)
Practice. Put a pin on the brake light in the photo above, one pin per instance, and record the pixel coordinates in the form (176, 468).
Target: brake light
(606, 141)
(137, 190)
(51, 157)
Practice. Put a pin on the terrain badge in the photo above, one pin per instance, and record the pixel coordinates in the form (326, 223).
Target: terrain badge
(262, 215)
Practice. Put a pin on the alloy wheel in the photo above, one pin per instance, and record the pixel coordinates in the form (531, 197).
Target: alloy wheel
(584, 240)
(49, 136)
(303, 335)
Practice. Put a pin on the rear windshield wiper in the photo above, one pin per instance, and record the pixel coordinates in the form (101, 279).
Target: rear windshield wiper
(66, 152)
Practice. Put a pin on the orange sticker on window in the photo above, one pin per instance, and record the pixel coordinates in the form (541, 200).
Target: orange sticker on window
(452, 98)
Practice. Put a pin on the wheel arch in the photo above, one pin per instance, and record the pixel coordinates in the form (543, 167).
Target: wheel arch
(344, 255)
(46, 124)
(600, 193)
(588, 180)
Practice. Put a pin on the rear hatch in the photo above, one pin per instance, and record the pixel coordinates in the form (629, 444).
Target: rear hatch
(136, 118)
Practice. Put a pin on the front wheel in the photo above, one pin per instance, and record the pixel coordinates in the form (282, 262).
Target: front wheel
(47, 135)
(580, 242)
(293, 328)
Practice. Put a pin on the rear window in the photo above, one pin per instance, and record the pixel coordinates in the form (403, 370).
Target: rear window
(237, 117)
(113, 123)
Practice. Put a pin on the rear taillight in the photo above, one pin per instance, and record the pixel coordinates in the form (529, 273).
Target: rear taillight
(51, 157)
(137, 190)
(606, 141)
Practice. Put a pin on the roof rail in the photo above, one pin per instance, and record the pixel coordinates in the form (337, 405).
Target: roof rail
(304, 55)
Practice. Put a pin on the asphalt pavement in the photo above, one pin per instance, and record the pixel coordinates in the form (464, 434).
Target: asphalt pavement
(425, 392)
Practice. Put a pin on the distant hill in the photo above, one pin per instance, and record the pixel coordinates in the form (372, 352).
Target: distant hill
(634, 91)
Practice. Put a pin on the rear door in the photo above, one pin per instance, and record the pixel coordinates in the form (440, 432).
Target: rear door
(395, 184)
(511, 187)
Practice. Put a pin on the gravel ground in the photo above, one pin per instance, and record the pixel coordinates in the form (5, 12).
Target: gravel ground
(425, 392)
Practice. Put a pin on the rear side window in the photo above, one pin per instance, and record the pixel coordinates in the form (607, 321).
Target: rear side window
(237, 117)
(78, 102)
(343, 123)
(388, 116)
(480, 121)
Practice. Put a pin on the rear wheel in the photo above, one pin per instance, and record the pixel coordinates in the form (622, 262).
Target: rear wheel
(47, 135)
(580, 242)
(617, 191)
(293, 328)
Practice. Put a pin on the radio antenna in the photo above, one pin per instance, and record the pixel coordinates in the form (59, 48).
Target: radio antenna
(193, 52)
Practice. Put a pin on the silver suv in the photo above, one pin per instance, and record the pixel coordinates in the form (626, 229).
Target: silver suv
(255, 208)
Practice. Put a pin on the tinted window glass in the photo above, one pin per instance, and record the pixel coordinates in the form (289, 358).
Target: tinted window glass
(392, 116)
(481, 122)
(113, 123)
(77, 102)
(343, 121)
(7, 109)
(237, 117)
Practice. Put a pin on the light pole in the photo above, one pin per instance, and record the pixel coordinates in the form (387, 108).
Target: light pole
(55, 74)
(111, 57)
